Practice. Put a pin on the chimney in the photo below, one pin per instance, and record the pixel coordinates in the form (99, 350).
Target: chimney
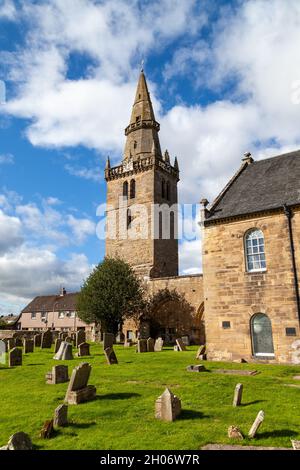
(62, 291)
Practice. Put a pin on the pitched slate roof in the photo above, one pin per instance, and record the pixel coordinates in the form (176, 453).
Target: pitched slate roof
(258, 186)
(48, 303)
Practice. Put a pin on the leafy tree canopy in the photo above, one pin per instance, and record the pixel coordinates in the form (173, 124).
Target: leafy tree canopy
(110, 294)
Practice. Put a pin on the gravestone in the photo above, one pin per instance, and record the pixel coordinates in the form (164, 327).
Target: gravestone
(61, 416)
(18, 342)
(37, 340)
(28, 345)
(237, 372)
(11, 343)
(46, 341)
(108, 340)
(83, 350)
(63, 335)
(3, 350)
(58, 375)
(185, 340)
(110, 355)
(167, 406)
(79, 338)
(19, 441)
(127, 343)
(68, 339)
(201, 352)
(237, 399)
(258, 421)
(197, 368)
(180, 345)
(141, 346)
(295, 444)
(57, 344)
(158, 345)
(235, 433)
(15, 357)
(176, 348)
(78, 390)
(65, 352)
(150, 345)
(47, 430)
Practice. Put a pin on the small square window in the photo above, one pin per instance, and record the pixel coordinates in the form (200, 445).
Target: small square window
(226, 325)
(33, 316)
(290, 332)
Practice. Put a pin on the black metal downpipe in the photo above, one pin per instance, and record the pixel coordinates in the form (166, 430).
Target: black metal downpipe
(289, 215)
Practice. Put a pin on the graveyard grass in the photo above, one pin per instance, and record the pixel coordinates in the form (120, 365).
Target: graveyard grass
(122, 416)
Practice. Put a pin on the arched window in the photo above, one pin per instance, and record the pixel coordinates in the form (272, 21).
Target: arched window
(163, 188)
(255, 251)
(261, 335)
(125, 189)
(168, 190)
(132, 189)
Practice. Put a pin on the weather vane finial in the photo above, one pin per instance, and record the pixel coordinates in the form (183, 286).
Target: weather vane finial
(142, 65)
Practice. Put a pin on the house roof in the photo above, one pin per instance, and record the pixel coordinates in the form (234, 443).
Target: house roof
(258, 186)
(49, 303)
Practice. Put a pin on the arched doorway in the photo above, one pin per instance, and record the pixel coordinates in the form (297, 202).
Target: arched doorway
(262, 336)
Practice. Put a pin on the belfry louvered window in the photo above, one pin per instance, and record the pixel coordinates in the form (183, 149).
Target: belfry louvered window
(255, 251)
(125, 189)
(132, 189)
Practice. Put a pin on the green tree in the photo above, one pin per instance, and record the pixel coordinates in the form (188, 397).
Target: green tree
(110, 294)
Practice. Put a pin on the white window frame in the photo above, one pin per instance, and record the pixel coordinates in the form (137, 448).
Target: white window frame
(33, 315)
(61, 315)
(44, 315)
(248, 255)
(72, 314)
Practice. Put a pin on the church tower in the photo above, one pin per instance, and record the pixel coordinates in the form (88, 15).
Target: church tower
(141, 229)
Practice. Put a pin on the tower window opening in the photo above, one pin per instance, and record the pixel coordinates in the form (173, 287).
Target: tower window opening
(135, 144)
(132, 189)
(163, 188)
(138, 118)
(125, 189)
(168, 190)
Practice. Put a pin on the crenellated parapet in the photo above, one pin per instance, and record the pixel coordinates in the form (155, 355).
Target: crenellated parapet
(132, 167)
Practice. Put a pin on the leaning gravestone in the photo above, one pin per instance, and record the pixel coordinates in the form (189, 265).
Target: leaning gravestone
(108, 340)
(47, 430)
(158, 345)
(37, 340)
(11, 343)
(237, 399)
(58, 375)
(258, 421)
(68, 339)
(3, 350)
(150, 345)
(46, 341)
(79, 338)
(142, 346)
(167, 406)
(110, 355)
(197, 368)
(78, 390)
(83, 350)
(201, 352)
(19, 441)
(185, 340)
(235, 433)
(61, 416)
(15, 357)
(28, 345)
(57, 344)
(65, 352)
(180, 345)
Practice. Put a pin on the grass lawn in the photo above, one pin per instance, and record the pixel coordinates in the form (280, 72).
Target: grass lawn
(122, 416)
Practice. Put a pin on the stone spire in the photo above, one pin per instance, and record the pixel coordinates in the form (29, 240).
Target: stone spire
(142, 132)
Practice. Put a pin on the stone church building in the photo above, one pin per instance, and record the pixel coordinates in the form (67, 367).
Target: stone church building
(246, 304)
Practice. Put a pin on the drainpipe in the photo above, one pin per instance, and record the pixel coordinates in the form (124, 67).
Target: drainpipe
(289, 215)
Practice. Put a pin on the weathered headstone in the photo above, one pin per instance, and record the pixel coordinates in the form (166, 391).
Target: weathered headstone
(61, 416)
(258, 421)
(58, 375)
(28, 345)
(63, 335)
(180, 344)
(83, 350)
(186, 340)
(238, 392)
(201, 352)
(235, 433)
(108, 340)
(19, 342)
(65, 352)
(78, 390)
(3, 350)
(37, 340)
(19, 441)
(68, 339)
(127, 343)
(141, 346)
(197, 368)
(79, 338)
(110, 355)
(11, 343)
(176, 348)
(158, 345)
(15, 357)
(57, 344)
(47, 430)
(167, 406)
(295, 444)
(46, 341)
(150, 345)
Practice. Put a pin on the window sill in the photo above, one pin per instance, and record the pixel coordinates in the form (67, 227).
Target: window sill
(259, 271)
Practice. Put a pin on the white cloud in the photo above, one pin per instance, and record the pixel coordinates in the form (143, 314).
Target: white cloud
(8, 10)
(94, 174)
(7, 159)
(190, 257)
(10, 232)
(81, 228)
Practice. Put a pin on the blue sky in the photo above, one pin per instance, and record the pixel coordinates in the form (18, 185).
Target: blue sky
(224, 79)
